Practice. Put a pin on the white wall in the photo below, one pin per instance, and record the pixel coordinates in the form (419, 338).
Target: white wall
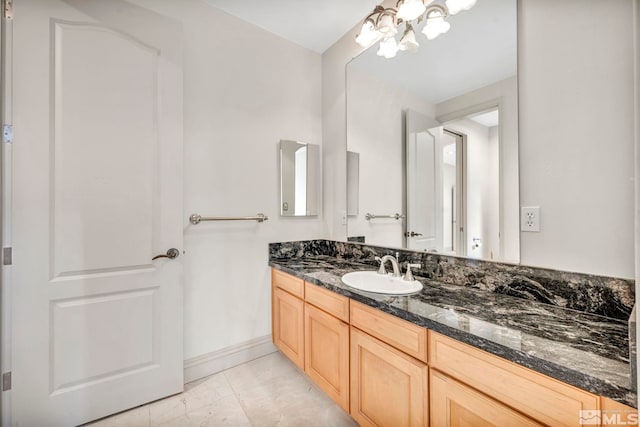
(375, 132)
(576, 133)
(245, 89)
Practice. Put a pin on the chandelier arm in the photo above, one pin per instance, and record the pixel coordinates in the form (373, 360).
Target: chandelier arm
(435, 6)
(376, 10)
(390, 11)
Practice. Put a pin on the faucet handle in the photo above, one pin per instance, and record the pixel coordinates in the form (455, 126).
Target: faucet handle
(409, 275)
(381, 270)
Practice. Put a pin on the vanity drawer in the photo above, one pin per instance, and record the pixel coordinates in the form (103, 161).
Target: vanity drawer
(455, 404)
(335, 304)
(403, 335)
(289, 283)
(542, 398)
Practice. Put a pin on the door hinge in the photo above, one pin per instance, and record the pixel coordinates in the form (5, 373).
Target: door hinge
(7, 134)
(6, 381)
(7, 256)
(8, 9)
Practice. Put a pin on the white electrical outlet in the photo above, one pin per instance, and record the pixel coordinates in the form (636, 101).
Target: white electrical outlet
(343, 217)
(530, 219)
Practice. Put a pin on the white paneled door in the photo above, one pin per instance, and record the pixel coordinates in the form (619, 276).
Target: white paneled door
(424, 182)
(97, 193)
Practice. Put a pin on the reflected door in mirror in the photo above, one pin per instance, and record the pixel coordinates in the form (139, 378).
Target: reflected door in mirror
(424, 182)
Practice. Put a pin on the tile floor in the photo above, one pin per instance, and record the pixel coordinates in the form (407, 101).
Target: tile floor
(269, 391)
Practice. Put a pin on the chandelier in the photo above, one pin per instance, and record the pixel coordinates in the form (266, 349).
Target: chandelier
(383, 23)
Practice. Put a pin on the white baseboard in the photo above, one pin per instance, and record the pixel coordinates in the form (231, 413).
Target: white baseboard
(211, 363)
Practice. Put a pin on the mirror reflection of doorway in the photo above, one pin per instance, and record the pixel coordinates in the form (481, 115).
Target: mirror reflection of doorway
(479, 135)
(453, 185)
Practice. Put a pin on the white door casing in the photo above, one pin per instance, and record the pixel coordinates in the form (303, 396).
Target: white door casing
(97, 192)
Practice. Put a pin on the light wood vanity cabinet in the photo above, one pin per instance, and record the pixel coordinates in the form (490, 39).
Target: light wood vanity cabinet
(288, 325)
(540, 397)
(388, 387)
(313, 334)
(387, 371)
(327, 353)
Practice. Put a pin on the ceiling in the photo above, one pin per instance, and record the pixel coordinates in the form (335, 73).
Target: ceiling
(488, 119)
(313, 24)
(479, 49)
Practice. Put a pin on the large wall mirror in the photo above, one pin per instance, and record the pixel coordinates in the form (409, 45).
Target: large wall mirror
(299, 178)
(436, 137)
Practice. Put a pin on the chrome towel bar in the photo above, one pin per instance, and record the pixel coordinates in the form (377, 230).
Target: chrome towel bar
(369, 216)
(195, 218)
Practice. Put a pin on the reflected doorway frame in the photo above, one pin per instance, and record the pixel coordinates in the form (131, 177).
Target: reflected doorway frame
(493, 104)
(459, 225)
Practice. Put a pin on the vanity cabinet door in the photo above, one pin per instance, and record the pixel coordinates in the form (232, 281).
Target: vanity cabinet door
(455, 405)
(326, 353)
(388, 387)
(288, 325)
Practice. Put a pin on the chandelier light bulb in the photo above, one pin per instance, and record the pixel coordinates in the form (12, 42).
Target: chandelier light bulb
(411, 9)
(408, 41)
(368, 34)
(456, 6)
(436, 25)
(387, 25)
(388, 48)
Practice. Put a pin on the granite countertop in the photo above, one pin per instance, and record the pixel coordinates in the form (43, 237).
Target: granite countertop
(586, 350)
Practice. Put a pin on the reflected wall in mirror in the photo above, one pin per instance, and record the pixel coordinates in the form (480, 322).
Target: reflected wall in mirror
(353, 183)
(299, 178)
(437, 135)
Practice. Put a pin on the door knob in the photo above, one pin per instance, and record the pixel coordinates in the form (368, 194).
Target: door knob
(171, 254)
(412, 234)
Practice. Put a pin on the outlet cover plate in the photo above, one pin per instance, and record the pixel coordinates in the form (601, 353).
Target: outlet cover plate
(530, 219)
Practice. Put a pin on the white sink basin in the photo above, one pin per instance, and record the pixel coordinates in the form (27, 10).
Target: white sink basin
(371, 281)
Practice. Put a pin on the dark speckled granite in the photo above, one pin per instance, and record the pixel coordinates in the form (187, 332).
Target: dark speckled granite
(605, 296)
(578, 348)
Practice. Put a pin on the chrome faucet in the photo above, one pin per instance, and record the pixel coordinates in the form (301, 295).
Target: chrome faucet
(394, 264)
